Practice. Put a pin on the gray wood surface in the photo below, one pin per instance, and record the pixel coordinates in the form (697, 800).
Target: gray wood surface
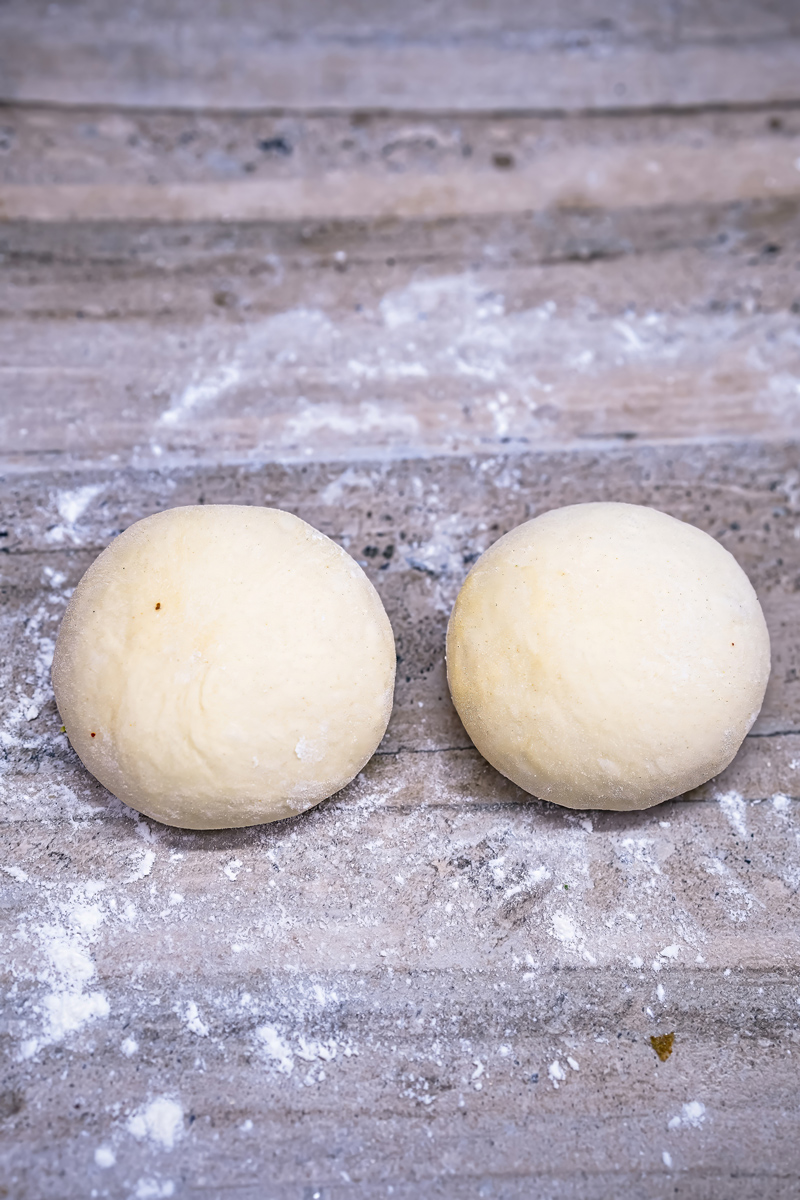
(416, 56)
(666, 315)
(415, 329)
(344, 981)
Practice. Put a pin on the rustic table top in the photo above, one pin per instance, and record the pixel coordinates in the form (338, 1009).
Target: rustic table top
(416, 277)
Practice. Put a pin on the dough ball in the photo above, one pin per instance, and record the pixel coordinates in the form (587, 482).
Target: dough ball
(221, 665)
(607, 656)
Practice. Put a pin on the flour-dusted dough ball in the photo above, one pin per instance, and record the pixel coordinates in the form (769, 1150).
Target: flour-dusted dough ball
(607, 656)
(221, 666)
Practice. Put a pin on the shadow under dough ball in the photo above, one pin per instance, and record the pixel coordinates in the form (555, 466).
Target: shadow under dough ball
(607, 656)
(222, 665)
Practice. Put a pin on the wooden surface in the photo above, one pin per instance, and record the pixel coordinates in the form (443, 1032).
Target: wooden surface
(419, 56)
(415, 329)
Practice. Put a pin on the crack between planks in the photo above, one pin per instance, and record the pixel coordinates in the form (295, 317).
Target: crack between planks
(410, 750)
(400, 113)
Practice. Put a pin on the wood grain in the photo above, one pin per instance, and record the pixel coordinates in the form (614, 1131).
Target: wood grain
(415, 57)
(409, 358)
(643, 175)
(416, 272)
(668, 313)
(429, 929)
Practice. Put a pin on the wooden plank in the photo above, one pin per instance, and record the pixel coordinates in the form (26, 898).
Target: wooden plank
(514, 163)
(410, 57)
(415, 362)
(643, 176)
(668, 313)
(314, 1004)
(415, 330)
(436, 514)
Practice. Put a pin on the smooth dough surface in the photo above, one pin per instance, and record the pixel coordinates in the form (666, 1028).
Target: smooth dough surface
(224, 665)
(607, 656)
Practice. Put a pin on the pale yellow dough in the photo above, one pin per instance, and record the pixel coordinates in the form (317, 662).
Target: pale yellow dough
(221, 666)
(607, 656)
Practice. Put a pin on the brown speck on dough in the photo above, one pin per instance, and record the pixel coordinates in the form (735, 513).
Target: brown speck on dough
(662, 1044)
(94, 735)
(158, 606)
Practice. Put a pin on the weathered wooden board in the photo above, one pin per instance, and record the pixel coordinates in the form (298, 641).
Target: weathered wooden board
(415, 272)
(642, 173)
(78, 164)
(621, 313)
(414, 56)
(380, 997)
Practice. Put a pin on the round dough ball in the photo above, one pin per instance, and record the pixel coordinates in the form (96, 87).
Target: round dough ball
(607, 656)
(221, 666)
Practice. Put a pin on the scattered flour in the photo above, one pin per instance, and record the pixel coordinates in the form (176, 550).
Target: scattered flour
(350, 478)
(68, 969)
(734, 808)
(151, 1189)
(207, 385)
(42, 798)
(143, 828)
(105, 1157)
(362, 419)
(16, 873)
(129, 1047)
(564, 928)
(279, 1050)
(692, 1115)
(638, 855)
(742, 900)
(71, 505)
(144, 868)
(276, 1047)
(68, 1012)
(556, 1073)
(193, 1022)
(161, 1122)
(310, 1050)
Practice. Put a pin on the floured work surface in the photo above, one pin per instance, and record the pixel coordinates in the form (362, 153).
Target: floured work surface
(431, 983)
(441, 322)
